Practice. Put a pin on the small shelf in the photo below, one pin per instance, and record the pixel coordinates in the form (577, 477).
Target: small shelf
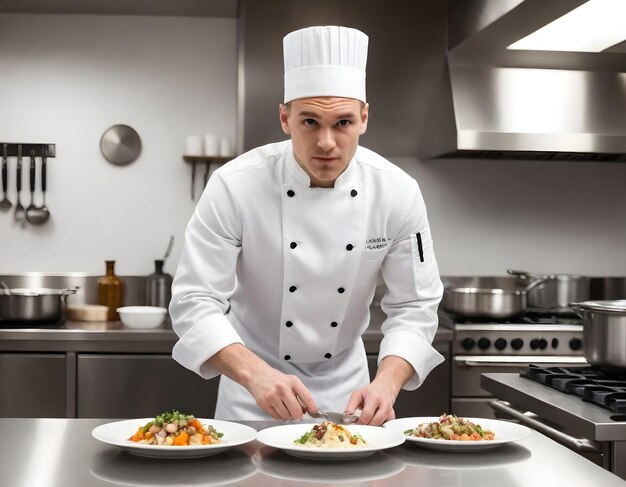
(217, 159)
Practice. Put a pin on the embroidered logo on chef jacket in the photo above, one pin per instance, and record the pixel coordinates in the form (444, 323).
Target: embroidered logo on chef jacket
(377, 243)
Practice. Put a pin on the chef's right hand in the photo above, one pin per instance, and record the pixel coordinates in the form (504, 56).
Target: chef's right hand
(282, 396)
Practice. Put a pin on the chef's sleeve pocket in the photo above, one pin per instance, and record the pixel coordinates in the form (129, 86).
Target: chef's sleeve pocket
(425, 271)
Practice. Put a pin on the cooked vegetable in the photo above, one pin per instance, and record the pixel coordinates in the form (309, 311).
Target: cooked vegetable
(330, 435)
(451, 427)
(176, 429)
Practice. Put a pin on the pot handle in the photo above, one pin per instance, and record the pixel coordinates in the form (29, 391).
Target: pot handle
(70, 290)
(522, 274)
(536, 282)
(577, 308)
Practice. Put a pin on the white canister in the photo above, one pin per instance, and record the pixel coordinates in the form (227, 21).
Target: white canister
(225, 148)
(193, 145)
(211, 145)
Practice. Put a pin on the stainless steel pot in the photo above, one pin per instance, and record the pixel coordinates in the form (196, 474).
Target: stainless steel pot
(33, 306)
(604, 332)
(481, 301)
(556, 291)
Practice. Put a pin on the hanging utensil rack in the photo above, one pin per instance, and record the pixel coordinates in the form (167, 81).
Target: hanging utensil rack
(28, 149)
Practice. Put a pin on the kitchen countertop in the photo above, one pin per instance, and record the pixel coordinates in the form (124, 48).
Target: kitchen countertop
(62, 453)
(113, 337)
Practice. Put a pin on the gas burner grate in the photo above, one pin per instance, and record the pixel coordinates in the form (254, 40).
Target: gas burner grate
(597, 386)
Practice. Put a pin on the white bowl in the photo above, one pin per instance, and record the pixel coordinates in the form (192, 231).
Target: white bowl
(142, 316)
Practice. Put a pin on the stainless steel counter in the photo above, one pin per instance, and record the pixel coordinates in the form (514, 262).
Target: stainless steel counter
(113, 337)
(62, 453)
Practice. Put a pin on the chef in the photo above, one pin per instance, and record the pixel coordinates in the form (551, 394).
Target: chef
(283, 252)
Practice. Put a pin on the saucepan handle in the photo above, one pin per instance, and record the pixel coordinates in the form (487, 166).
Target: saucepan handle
(70, 290)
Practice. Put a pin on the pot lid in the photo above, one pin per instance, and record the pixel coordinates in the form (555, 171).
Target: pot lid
(37, 291)
(618, 305)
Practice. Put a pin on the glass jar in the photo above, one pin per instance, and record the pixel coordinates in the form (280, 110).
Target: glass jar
(158, 286)
(111, 291)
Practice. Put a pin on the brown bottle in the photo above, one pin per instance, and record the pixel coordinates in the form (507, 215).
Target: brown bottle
(111, 291)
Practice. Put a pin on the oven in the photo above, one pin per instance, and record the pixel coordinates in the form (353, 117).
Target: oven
(582, 408)
(506, 347)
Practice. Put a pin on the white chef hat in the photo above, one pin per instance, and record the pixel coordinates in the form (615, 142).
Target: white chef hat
(325, 61)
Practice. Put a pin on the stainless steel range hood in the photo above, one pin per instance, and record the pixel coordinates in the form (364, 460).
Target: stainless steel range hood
(501, 103)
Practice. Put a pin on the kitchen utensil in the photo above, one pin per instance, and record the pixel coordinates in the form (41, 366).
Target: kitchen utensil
(345, 417)
(5, 204)
(604, 332)
(44, 212)
(30, 306)
(193, 180)
(340, 418)
(34, 215)
(207, 168)
(169, 249)
(479, 301)
(120, 145)
(556, 292)
(20, 212)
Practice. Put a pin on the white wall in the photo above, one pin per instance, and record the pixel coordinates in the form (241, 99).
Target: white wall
(65, 79)
(543, 216)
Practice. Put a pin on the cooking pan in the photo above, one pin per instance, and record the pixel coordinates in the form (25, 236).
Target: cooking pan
(556, 291)
(604, 332)
(32, 306)
(488, 298)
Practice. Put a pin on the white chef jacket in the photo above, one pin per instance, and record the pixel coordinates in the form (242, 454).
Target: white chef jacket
(290, 271)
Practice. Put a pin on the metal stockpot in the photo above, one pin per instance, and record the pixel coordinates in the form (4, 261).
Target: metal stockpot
(604, 332)
(33, 306)
(480, 301)
(556, 291)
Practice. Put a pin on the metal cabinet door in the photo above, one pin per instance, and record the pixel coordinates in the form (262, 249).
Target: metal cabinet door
(32, 385)
(138, 386)
(432, 398)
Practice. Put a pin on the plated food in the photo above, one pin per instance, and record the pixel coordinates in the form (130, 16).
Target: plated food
(451, 427)
(504, 432)
(330, 435)
(118, 434)
(286, 438)
(176, 429)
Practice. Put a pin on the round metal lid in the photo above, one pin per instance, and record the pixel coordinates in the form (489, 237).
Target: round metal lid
(120, 145)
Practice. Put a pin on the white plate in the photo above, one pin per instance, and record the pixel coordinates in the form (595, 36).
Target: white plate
(283, 437)
(505, 431)
(119, 432)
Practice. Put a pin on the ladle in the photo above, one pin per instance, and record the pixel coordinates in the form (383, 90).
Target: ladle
(20, 213)
(36, 215)
(31, 209)
(5, 204)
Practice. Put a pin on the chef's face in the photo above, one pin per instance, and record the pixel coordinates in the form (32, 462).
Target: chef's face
(324, 133)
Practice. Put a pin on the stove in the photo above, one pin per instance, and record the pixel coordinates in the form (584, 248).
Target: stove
(583, 408)
(509, 346)
(595, 385)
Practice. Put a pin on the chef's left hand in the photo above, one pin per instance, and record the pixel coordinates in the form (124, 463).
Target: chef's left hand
(376, 399)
